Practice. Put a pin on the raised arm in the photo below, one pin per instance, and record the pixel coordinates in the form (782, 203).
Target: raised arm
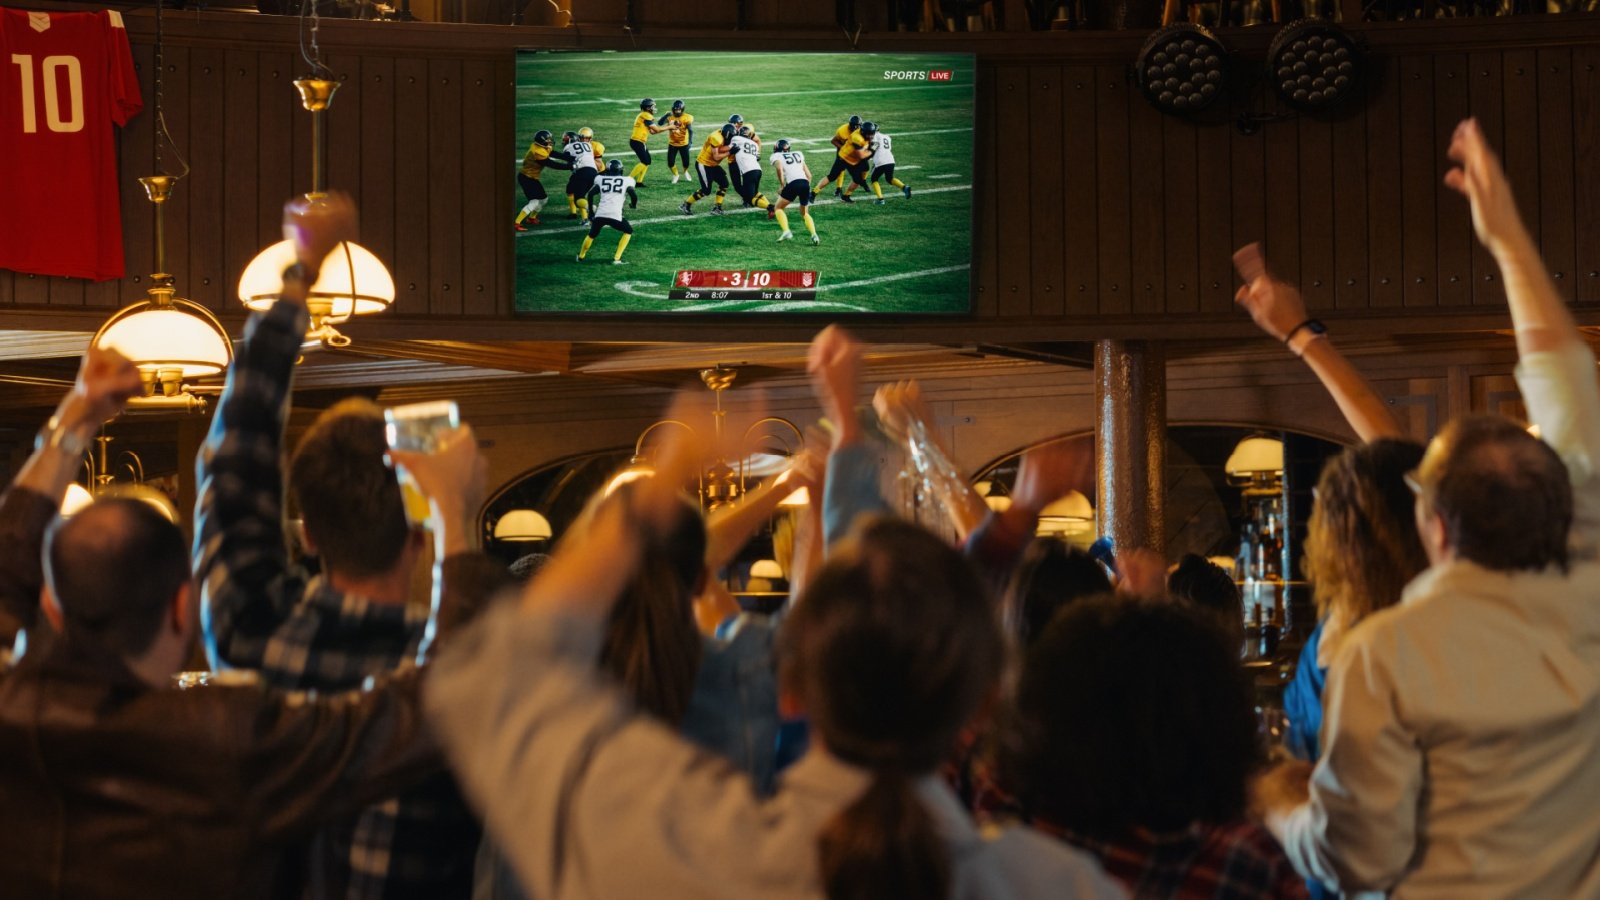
(106, 380)
(240, 559)
(728, 529)
(1278, 309)
(851, 486)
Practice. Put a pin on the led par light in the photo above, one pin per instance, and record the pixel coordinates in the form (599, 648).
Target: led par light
(1182, 68)
(1313, 64)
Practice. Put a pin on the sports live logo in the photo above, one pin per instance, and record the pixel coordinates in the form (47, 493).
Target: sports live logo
(919, 75)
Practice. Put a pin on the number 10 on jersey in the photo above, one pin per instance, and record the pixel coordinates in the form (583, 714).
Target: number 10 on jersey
(50, 71)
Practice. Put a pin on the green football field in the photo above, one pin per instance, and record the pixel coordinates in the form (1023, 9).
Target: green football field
(904, 256)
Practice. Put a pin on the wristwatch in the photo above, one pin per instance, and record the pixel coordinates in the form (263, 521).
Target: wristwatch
(1303, 334)
(56, 436)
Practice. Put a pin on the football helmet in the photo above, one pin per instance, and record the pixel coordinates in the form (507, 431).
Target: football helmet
(677, 106)
(868, 129)
(735, 119)
(586, 133)
(728, 131)
(855, 122)
(647, 105)
(543, 138)
(614, 167)
(568, 137)
(744, 131)
(782, 145)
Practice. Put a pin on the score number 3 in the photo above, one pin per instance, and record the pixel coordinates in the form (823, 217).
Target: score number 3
(50, 72)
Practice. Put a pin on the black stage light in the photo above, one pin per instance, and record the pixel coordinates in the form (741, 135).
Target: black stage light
(1182, 68)
(1313, 64)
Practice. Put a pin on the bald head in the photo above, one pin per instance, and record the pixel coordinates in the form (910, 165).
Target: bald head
(1503, 495)
(115, 569)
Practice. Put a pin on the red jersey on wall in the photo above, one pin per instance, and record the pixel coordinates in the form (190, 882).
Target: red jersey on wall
(65, 79)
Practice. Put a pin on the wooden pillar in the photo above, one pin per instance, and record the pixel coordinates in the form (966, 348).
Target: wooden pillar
(1130, 443)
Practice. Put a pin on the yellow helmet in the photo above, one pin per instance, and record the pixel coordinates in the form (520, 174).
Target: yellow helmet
(586, 133)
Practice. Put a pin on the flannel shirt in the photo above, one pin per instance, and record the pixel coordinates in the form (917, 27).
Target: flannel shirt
(261, 612)
(1234, 861)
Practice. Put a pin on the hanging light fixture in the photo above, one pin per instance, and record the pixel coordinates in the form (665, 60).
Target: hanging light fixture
(1256, 462)
(170, 339)
(523, 525)
(1070, 515)
(352, 280)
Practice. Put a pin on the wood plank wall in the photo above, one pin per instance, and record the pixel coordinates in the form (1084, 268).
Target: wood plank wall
(1110, 220)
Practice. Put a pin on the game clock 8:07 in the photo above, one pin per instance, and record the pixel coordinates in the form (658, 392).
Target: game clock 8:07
(738, 183)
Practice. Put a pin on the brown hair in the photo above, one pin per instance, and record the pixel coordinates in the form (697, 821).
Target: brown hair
(347, 494)
(89, 559)
(1362, 546)
(651, 644)
(1504, 495)
(892, 648)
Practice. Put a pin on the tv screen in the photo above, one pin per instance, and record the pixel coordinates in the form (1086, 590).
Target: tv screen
(743, 183)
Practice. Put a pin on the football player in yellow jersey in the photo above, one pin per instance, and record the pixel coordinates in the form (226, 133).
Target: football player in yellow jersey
(852, 158)
(708, 165)
(644, 125)
(680, 134)
(541, 154)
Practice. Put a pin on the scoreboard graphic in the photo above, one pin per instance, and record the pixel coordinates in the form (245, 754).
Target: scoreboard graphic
(735, 284)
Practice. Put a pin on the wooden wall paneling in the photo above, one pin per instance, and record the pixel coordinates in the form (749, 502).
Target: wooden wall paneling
(178, 91)
(241, 159)
(1247, 168)
(985, 215)
(65, 291)
(138, 220)
(1556, 214)
(1214, 281)
(1081, 191)
(209, 221)
(482, 164)
(1586, 170)
(8, 287)
(1453, 218)
(1520, 150)
(1047, 225)
(1147, 192)
(444, 173)
(346, 148)
(1181, 217)
(1316, 211)
(1013, 193)
(1384, 233)
(1350, 172)
(412, 187)
(276, 109)
(1486, 103)
(379, 147)
(1420, 146)
(1113, 175)
(1281, 190)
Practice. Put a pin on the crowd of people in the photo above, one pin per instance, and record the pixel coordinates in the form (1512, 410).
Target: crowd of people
(996, 716)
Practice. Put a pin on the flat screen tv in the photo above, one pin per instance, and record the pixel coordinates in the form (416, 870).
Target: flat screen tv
(890, 228)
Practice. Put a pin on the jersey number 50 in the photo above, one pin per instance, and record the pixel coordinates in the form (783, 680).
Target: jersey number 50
(50, 77)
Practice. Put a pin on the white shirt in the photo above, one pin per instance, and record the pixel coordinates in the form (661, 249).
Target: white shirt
(1462, 729)
(589, 799)
(613, 191)
(791, 166)
(582, 153)
(749, 156)
(882, 150)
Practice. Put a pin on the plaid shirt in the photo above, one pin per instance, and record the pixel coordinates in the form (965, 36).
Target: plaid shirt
(261, 612)
(1236, 861)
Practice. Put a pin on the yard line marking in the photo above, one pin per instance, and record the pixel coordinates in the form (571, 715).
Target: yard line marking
(680, 217)
(860, 90)
(950, 175)
(863, 282)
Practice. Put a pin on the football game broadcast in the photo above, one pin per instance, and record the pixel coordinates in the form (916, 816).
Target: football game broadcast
(729, 182)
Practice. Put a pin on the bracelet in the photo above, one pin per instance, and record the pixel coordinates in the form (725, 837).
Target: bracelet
(1315, 325)
(53, 436)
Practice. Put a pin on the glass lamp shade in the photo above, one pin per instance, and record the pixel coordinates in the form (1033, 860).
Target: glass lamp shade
(182, 335)
(766, 568)
(801, 497)
(1071, 514)
(1255, 456)
(77, 498)
(522, 525)
(354, 280)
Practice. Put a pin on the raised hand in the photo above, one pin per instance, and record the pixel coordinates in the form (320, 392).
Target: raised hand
(898, 405)
(316, 225)
(1048, 473)
(1479, 177)
(834, 364)
(1275, 306)
(107, 380)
